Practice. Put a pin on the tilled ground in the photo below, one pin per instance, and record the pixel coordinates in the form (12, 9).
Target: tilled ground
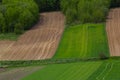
(113, 31)
(38, 43)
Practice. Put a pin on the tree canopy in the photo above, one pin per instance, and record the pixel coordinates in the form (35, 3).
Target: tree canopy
(85, 10)
(18, 12)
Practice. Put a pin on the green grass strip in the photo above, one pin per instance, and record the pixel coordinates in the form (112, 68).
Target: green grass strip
(83, 41)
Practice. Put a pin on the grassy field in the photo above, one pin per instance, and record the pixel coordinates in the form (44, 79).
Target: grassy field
(101, 70)
(9, 36)
(83, 41)
(74, 71)
(108, 71)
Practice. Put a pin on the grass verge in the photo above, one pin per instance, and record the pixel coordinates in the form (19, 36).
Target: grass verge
(9, 36)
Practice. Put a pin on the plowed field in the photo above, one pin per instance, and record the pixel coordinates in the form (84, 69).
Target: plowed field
(38, 43)
(113, 31)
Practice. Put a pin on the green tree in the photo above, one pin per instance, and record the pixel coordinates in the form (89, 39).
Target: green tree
(11, 16)
(18, 28)
(26, 19)
(24, 12)
(85, 11)
(2, 23)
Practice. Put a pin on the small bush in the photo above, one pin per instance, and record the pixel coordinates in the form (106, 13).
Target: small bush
(103, 56)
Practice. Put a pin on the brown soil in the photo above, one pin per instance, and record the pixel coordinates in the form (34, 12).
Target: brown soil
(38, 43)
(2, 70)
(113, 31)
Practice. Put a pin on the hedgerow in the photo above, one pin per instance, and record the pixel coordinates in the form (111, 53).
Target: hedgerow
(8, 64)
(14, 12)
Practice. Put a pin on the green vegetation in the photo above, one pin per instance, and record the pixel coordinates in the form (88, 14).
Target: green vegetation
(9, 36)
(48, 5)
(115, 3)
(85, 10)
(74, 71)
(100, 70)
(83, 41)
(77, 11)
(17, 15)
(8, 64)
(107, 71)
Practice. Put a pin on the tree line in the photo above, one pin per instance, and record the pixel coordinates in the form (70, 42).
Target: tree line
(115, 3)
(17, 15)
(85, 11)
(80, 11)
(48, 5)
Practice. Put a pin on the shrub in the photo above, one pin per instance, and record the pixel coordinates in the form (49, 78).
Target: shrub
(103, 56)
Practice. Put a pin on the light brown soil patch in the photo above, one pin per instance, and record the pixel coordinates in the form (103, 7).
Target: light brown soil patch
(113, 31)
(38, 43)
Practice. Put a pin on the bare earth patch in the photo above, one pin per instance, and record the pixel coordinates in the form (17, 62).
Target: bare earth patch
(38, 43)
(2, 70)
(113, 31)
(17, 73)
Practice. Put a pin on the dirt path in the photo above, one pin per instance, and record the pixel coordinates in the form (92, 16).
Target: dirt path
(18, 73)
(113, 31)
(38, 43)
